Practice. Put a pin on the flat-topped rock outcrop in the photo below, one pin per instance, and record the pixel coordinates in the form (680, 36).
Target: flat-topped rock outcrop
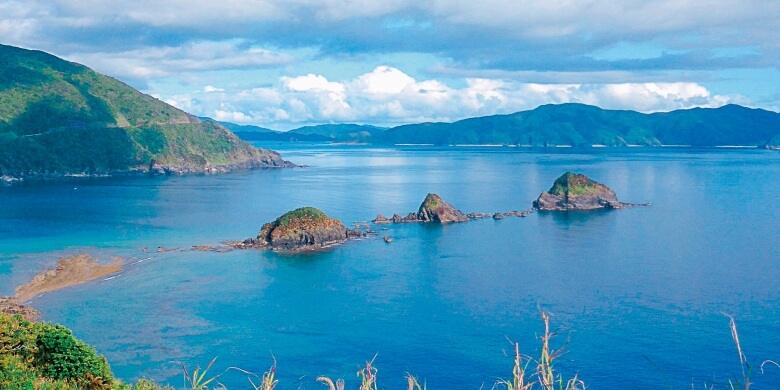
(573, 191)
(303, 228)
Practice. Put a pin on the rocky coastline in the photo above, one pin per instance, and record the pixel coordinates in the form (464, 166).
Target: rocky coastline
(154, 169)
(267, 159)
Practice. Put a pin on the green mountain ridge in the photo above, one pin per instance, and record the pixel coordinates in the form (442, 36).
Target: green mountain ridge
(570, 124)
(62, 118)
(574, 124)
(346, 132)
(257, 133)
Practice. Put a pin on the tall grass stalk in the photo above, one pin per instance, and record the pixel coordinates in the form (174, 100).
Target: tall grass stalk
(744, 382)
(198, 379)
(267, 381)
(518, 381)
(368, 376)
(413, 384)
(527, 372)
(546, 374)
(339, 385)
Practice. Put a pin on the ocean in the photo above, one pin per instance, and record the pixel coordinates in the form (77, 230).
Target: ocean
(638, 297)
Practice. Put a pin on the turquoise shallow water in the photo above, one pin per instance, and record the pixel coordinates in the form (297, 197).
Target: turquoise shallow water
(639, 293)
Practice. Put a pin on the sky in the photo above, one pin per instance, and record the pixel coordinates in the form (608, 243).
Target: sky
(287, 64)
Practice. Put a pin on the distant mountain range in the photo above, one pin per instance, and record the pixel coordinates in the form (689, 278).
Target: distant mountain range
(62, 118)
(575, 125)
(332, 132)
(583, 125)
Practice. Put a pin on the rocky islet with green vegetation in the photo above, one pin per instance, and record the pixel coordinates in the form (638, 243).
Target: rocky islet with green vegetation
(573, 191)
(299, 229)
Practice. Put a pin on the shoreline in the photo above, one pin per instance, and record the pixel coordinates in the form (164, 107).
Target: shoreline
(9, 179)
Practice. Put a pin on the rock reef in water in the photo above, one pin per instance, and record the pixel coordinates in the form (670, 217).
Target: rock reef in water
(573, 191)
(303, 228)
(381, 220)
(432, 209)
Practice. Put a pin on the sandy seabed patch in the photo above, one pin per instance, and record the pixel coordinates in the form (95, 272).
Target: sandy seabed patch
(69, 271)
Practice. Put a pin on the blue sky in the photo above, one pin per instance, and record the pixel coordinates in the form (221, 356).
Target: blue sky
(285, 64)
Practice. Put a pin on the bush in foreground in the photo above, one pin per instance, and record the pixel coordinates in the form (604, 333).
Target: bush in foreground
(39, 355)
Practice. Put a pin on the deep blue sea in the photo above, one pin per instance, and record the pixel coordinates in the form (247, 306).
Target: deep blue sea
(638, 295)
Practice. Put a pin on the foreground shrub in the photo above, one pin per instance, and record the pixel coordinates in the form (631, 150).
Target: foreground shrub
(47, 356)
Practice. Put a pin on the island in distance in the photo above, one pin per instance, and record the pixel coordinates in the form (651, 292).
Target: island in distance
(574, 191)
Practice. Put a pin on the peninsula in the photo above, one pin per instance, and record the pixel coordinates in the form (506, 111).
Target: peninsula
(59, 118)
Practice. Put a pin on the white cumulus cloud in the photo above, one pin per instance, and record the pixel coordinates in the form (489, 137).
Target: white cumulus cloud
(383, 80)
(387, 96)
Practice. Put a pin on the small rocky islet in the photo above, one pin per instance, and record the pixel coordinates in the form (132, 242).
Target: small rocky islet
(573, 191)
(432, 209)
(302, 228)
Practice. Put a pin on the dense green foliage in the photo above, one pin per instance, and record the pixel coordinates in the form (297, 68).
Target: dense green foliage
(431, 202)
(39, 92)
(58, 117)
(341, 132)
(582, 125)
(331, 132)
(564, 124)
(256, 133)
(42, 355)
(572, 183)
(298, 214)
